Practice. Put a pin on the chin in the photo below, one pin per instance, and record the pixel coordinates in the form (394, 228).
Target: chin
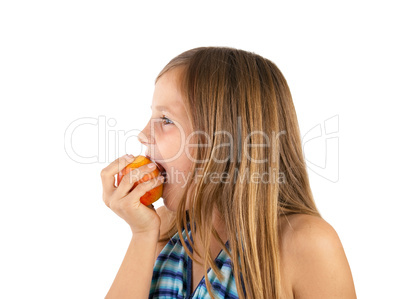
(171, 197)
(168, 204)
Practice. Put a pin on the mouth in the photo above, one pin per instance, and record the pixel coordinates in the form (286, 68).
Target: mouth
(161, 169)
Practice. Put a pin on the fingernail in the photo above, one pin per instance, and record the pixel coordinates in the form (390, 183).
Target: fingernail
(151, 165)
(129, 157)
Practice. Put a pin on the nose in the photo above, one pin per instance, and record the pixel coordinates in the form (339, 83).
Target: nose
(144, 136)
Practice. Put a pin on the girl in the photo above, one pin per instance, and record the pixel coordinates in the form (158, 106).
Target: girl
(239, 218)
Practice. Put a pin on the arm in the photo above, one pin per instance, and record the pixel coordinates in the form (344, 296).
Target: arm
(134, 277)
(135, 274)
(320, 268)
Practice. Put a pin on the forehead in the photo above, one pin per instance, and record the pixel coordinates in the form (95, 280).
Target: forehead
(167, 95)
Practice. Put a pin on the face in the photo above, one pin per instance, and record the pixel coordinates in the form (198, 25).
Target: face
(165, 137)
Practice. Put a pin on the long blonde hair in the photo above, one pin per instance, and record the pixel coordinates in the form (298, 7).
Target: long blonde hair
(246, 95)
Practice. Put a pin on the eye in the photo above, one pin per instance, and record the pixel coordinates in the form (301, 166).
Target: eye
(166, 121)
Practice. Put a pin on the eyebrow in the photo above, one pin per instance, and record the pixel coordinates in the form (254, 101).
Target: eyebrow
(163, 108)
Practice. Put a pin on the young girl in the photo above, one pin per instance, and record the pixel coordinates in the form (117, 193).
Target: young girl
(239, 218)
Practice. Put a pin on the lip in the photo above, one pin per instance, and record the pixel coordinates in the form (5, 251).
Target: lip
(159, 166)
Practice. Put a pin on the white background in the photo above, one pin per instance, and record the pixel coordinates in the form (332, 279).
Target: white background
(61, 61)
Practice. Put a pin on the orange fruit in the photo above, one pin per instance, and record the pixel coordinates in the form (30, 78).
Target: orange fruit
(150, 196)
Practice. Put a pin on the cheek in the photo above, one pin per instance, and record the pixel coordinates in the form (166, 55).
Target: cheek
(171, 146)
(183, 163)
(179, 167)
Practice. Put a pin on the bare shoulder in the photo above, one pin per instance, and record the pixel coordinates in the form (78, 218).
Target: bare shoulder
(298, 226)
(314, 261)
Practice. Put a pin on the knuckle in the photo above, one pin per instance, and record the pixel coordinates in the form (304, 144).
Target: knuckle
(120, 206)
(103, 173)
(125, 179)
(125, 159)
(129, 179)
(140, 188)
(147, 185)
(107, 200)
(132, 176)
(114, 205)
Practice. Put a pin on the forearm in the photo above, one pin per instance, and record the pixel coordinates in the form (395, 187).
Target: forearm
(135, 274)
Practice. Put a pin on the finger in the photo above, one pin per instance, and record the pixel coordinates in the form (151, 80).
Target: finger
(108, 173)
(136, 174)
(142, 188)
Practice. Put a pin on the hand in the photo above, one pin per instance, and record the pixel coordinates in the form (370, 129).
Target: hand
(126, 204)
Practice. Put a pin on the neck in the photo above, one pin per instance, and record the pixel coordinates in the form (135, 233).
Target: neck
(220, 227)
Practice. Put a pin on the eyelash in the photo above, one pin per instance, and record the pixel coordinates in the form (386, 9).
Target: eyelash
(164, 118)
